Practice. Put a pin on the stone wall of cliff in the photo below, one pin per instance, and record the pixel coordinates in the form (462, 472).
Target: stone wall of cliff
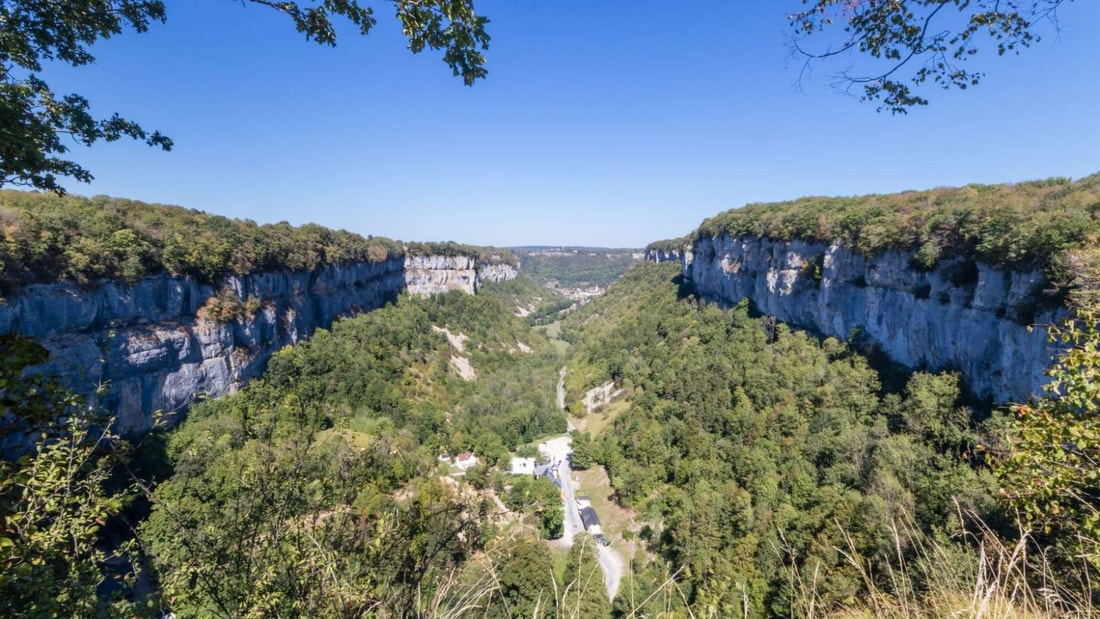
(655, 254)
(151, 346)
(963, 316)
(426, 275)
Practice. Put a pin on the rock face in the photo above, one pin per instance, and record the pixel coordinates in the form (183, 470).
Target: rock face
(151, 347)
(663, 255)
(427, 275)
(961, 315)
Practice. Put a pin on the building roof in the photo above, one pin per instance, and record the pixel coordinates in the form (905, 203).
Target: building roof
(524, 466)
(547, 471)
(589, 517)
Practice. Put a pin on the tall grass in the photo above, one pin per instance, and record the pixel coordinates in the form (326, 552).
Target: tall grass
(980, 575)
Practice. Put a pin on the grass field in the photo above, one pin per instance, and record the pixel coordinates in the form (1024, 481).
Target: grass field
(553, 332)
(598, 422)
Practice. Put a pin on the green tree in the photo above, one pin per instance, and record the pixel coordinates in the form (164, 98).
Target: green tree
(1051, 470)
(35, 121)
(583, 450)
(56, 499)
(541, 498)
(526, 580)
(583, 591)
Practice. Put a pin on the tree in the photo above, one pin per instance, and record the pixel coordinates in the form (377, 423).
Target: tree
(913, 42)
(583, 450)
(541, 498)
(583, 592)
(526, 580)
(36, 123)
(56, 499)
(1050, 471)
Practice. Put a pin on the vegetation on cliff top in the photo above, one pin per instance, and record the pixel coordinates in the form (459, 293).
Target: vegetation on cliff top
(490, 255)
(45, 238)
(676, 244)
(1026, 224)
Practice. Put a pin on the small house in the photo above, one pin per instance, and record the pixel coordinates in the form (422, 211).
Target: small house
(466, 460)
(547, 471)
(523, 466)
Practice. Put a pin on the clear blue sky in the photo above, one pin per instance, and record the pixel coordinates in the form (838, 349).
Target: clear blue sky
(606, 123)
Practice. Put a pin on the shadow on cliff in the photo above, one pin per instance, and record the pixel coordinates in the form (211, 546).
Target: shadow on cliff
(684, 287)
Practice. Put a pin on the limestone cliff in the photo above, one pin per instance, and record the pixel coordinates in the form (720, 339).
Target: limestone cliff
(155, 345)
(961, 315)
(433, 274)
(669, 250)
(655, 254)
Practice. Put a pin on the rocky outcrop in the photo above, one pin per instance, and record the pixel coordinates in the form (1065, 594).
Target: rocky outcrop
(496, 272)
(668, 250)
(162, 342)
(427, 275)
(662, 254)
(961, 315)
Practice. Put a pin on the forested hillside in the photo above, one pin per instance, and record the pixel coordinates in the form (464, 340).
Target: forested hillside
(576, 267)
(751, 469)
(780, 474)
(328, 466)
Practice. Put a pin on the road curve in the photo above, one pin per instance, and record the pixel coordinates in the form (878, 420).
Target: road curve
(612, 564)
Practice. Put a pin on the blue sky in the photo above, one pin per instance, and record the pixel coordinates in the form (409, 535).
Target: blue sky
(606, 123)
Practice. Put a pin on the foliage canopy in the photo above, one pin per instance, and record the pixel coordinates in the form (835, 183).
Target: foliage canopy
(46, 238)
(1050, 469)
(755, 452)
(1028, 224)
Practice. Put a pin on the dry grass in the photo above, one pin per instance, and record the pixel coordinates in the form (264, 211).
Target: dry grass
(1003, 580)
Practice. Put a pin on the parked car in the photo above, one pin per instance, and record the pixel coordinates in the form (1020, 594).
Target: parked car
(601, 540)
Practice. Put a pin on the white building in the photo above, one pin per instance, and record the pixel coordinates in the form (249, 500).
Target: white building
(523, 466)
(466, 461)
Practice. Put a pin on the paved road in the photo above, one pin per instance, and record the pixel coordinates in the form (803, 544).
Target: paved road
(613, 566)
(611, 562)
(560, 450)
(561, 389)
